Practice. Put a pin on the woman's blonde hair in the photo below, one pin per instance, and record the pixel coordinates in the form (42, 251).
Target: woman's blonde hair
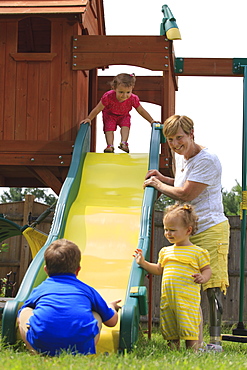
(173, 123)
(186, 213)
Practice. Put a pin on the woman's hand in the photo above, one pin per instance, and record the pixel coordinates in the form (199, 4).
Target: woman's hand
(154, 182)
(155, 173)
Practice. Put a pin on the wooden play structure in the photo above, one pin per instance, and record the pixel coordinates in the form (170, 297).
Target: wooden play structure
(50, 52)
(42, 99)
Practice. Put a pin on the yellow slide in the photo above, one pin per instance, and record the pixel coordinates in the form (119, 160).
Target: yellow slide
(103, 208)
(104, 221)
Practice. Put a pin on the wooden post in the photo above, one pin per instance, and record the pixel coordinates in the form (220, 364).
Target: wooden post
(25, 253)
(93, 88)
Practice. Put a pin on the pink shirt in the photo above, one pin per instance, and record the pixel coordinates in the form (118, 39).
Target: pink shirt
(113, 106)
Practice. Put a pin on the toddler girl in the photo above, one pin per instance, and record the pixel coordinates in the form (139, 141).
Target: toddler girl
(115, 106)
(183, 267)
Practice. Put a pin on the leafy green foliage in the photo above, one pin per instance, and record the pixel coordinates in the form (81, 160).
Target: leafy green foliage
(4, 247)
(232, 199)
(162, 202)
(18, 195)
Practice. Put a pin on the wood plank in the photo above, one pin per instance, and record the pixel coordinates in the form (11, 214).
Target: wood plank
(42, 3)
(55, 85)
(35, 146)
(3, 42)
(33, 57)
(121, 44)
(23, 159)
(32, 100)
(48, 178)
(43, 98)
(77, 94)
(148, 60)
(45, 10)
(25, 252)
(10, 81)
(208, 67)
(21, 101)
(66, 84)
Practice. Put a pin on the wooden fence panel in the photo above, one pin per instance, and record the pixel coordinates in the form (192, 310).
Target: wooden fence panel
(18, 256)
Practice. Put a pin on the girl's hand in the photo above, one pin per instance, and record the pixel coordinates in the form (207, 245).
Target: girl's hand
(86, 120)
(198, 278)
(153, 121)
(138, 256)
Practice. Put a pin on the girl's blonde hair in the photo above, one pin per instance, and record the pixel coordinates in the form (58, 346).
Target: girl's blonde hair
(173, 123)
(186, 213)
(124, 79)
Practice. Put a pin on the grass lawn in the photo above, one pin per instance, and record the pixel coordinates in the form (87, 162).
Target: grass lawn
(147, 354)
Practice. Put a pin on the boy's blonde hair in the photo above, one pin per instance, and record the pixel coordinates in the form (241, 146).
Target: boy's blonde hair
(62, 257)
(186, 213)
(173, 123)
(124, 79)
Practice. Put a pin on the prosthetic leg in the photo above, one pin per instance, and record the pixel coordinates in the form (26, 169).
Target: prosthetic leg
(215, 311)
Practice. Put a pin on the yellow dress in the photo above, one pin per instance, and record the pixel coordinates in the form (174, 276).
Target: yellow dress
(180, 296)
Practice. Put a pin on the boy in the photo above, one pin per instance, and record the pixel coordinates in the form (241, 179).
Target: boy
(63, 313)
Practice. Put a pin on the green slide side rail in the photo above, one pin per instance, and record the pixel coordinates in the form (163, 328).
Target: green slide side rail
(35, 273)
(136, 295)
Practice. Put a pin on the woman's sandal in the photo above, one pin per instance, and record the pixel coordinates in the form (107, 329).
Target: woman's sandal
(109, 149)
(124, 146)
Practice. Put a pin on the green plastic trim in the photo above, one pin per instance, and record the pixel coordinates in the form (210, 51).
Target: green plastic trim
(130, 313)
(141, 294)
(35, 273)
(179, 65)
(238, 65)
(133, 308)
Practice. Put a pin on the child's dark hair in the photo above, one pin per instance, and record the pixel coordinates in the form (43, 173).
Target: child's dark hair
(124, 79)
(186, 212)
(61, 257)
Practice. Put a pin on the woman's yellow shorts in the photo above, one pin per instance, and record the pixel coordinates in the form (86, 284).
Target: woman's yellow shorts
(216, 241)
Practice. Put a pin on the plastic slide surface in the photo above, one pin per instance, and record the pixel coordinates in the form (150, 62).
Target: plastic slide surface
(103, 208)
(104, 221)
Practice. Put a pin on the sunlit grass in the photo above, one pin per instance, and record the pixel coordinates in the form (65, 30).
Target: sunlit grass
(146, 354)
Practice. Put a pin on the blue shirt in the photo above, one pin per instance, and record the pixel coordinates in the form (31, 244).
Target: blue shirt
(62, 318)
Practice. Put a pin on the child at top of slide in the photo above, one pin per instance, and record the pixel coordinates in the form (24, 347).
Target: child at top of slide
(115, 106)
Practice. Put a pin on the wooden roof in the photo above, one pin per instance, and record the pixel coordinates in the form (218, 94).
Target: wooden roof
(42, 6)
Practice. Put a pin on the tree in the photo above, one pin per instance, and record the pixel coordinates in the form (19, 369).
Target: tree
(18, 194)
(232, 199)
(162, 202)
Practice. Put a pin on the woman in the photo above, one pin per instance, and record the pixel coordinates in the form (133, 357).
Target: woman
(198, 181)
